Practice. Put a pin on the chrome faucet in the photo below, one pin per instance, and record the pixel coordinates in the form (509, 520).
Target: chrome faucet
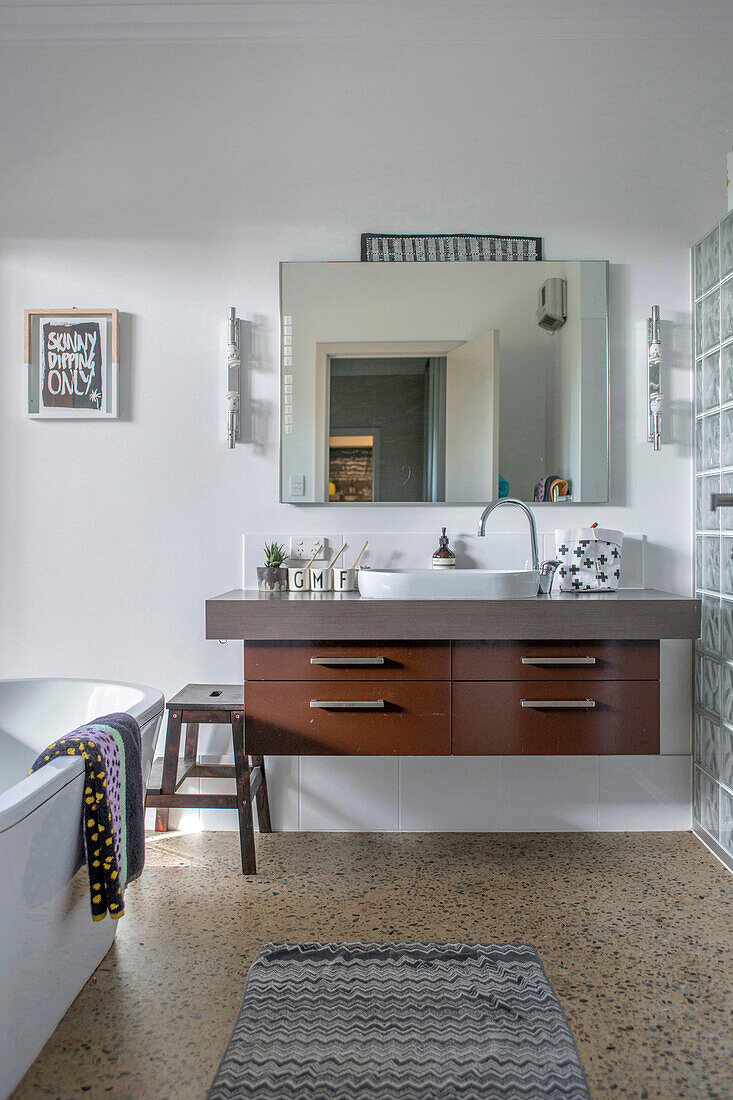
(530, 519)
(546, 569)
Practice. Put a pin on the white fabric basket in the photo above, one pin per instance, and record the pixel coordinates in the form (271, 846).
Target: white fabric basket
(590, 559)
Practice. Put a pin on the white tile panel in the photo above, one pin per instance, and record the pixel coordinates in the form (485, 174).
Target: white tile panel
(499, 793)
(644, 792)
(344, 793)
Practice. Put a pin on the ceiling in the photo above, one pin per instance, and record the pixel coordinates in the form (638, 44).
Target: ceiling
(365, 21)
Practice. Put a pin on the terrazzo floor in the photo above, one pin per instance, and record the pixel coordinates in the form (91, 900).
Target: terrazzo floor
(634, 930)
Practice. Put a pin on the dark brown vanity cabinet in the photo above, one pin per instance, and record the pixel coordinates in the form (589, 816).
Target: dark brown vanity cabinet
(452, 698)
(364, 699)
(555, 698)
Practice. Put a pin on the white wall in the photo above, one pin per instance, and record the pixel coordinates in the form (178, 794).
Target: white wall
(168, 180)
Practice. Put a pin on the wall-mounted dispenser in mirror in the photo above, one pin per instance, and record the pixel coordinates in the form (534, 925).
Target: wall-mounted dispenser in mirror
(460, 382)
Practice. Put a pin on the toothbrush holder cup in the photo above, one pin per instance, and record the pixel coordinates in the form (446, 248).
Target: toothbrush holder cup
(299, 579)
(344, 580)
(321, 580)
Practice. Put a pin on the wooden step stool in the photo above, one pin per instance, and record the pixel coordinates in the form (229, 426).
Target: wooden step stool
(214, 703)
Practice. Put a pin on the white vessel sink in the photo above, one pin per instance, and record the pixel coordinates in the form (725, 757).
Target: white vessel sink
(448, 584)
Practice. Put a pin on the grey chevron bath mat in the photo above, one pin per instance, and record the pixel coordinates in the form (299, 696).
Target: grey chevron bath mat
(406, 1021)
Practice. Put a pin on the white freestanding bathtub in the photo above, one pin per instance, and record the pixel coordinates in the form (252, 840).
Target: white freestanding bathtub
(49, 944)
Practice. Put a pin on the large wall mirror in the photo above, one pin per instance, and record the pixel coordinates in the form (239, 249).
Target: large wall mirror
(434, 382)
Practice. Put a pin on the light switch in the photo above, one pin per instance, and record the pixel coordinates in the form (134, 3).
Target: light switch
(287, 320)
(288, 429)
(297, 485)
(287, 389)
(288, 379)
(288, 399)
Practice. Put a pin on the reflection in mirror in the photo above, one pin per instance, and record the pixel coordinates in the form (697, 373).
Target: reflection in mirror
(379, 429)
(401, 429)
(353, 470)
(452, 382)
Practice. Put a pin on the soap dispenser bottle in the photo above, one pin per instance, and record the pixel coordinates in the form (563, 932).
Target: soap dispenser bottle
(443, 557)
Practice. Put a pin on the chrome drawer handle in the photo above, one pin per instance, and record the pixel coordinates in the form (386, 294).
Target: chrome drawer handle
(558, 660)
(348, 704)
(348, 662)
(559, 704)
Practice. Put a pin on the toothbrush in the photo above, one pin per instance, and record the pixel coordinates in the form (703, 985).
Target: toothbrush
(360, 553)
(310, 563)
(344, 547)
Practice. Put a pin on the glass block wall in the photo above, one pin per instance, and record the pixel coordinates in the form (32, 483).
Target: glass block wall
(713, 342)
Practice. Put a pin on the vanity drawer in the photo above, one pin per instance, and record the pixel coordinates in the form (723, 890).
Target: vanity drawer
(516, 718)
(380, 718)
(347, 661)
(556, 660)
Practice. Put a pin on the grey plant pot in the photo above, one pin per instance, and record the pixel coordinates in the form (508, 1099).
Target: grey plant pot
(272, 580)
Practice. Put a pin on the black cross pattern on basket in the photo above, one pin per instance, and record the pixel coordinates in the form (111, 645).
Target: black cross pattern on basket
(563, 549)
(578, 551)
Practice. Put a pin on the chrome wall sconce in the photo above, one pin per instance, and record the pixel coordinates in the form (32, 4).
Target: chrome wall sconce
(234, 364)
(654, 378)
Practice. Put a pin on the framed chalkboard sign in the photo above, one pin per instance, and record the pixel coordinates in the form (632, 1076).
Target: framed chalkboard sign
(72, 362)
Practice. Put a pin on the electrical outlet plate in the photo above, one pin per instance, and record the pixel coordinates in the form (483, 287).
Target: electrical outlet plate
(303, 547)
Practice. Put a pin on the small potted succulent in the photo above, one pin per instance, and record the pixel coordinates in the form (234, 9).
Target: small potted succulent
(273, 576)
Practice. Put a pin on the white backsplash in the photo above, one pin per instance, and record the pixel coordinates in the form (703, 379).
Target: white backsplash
(412, 550)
